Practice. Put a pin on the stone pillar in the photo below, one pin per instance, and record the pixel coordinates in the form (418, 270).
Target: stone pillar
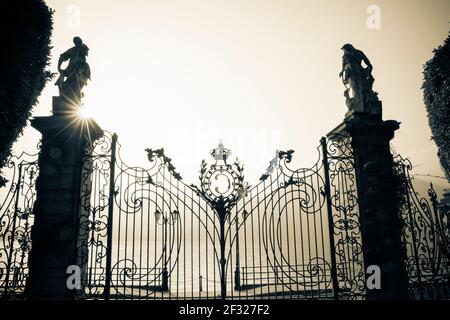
(57, 206)
(381, 227)
(445, 198)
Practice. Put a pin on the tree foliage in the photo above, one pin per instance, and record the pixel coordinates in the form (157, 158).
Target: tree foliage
(436, 89)
(25, 35)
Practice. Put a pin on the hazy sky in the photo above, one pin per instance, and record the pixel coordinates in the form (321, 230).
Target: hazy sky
(260, 75)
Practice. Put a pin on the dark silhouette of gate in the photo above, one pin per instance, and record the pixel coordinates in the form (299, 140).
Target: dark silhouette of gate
(145, 234)
(16, 221)
(426, 237)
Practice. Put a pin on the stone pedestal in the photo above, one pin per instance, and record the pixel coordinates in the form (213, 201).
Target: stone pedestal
(63, 106)
(372, 109)
(381, 228)
(54, 234)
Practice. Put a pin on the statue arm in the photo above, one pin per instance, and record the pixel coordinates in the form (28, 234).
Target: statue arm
(367, 61)
(62, 58)
(343, 68)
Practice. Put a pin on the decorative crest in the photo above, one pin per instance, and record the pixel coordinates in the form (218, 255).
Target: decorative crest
(222, 184)
(220, 153)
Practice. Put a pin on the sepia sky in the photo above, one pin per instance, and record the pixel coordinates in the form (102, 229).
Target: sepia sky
(260, 75)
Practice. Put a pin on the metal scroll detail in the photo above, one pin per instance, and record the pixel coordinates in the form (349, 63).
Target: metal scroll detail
(281, 246)
(426, 237)
(347, 229)
(93, 227)
(145, 234)
(16, 220)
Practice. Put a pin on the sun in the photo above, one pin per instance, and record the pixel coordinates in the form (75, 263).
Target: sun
(84, 112)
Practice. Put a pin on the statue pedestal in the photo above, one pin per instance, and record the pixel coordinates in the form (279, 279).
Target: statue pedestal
(64, 106)
(371, 110)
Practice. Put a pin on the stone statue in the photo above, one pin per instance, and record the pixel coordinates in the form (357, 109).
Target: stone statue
(358, 81)
(74, 77)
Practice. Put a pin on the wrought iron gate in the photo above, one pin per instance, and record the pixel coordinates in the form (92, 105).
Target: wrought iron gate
(145, 234)
(16, 220)
(426, 236)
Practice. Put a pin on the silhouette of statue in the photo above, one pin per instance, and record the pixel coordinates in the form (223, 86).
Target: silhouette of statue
(74, 77)
(358, 80)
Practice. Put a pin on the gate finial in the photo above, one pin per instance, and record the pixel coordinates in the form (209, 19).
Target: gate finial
(220, 153)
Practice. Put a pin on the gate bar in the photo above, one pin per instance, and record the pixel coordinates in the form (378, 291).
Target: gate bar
(323, 142)
(110, 218)
(413, 233)
(16, 205)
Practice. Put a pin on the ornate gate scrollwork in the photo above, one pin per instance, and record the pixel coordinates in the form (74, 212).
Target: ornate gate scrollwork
(16, 220)
(347, 228)
(145, 234)
(426, 237)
